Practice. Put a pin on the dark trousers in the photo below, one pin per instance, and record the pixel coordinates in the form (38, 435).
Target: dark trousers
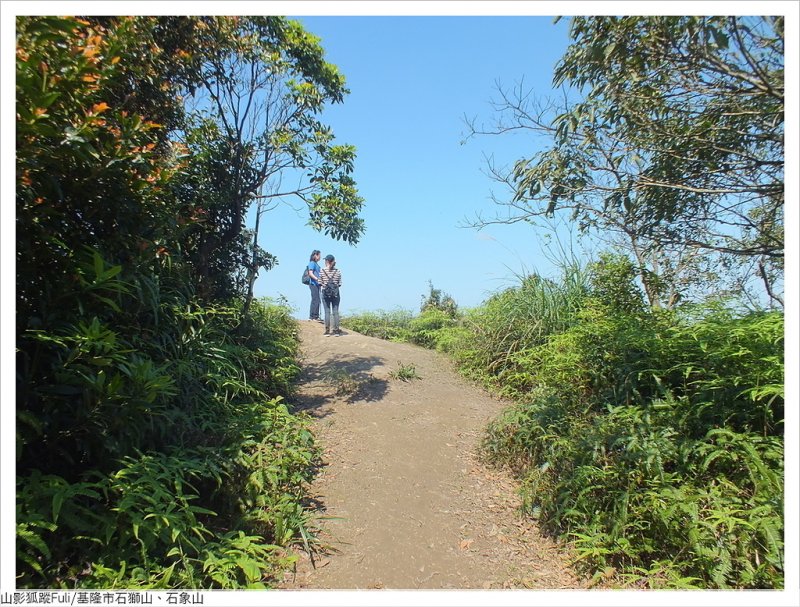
(314, 311)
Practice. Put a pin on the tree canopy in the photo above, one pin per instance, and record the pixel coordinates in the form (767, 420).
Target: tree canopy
(670, 133)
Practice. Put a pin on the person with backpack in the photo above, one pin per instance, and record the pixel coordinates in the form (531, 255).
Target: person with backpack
(330, 280)
(311, 278)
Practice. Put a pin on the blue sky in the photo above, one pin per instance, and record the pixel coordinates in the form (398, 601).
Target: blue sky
(412, 81)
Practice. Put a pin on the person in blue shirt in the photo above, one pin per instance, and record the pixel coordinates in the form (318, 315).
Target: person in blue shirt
(313, 284)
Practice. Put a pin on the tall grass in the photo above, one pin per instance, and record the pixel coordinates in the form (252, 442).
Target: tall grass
(160, 455)
(650, 441)
(513, 321)
(389, 325)
(655, 445)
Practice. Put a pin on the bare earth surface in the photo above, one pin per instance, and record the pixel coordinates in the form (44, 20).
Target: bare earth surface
(404, 501)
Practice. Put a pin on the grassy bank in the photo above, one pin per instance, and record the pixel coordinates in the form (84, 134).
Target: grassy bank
(182, 467)
(650, 441)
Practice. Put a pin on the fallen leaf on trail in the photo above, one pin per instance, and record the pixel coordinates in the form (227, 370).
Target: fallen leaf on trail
(465, 544)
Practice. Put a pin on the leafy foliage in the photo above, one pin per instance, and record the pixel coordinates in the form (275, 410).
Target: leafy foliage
(700, 101)
(154, 449)
(404, 372)
(514, 320)
(431, 328)
(263, 82)
(655, 444)
(154, 502)
(651, 441)
(438, 300)
(668, 141)
(392, 326)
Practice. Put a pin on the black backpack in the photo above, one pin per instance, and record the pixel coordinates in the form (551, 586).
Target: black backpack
(306, 278)
(331, 290)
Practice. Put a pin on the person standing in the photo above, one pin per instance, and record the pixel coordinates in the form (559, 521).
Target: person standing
(313, 284)
(330, 283)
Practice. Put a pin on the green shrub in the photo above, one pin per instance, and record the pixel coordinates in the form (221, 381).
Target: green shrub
(405, 372)
(153, 447)
(511, 322)
(730, 365)
(425, 329)
(213, 461)
(439, 301)
(392, 326)
(655, 444)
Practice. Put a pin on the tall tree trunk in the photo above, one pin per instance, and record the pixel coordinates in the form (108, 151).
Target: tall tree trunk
(252, 271)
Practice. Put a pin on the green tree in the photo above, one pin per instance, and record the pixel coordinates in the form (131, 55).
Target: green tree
(89, 169)
(436, 299)
(675, 140)
(666, 271)
(264, 83)
(152, 445)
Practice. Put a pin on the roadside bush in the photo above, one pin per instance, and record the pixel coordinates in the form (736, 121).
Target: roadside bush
(656, 447)
(650, 440)
(227, 472)
(153, 446)
(392, 326)
(436, 299)
(426, 328)
(511, 322)
(603, 357)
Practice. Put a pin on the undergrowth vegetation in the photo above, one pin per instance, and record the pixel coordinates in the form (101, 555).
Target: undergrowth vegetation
(161, 460)
(650, 441)
(154, 448)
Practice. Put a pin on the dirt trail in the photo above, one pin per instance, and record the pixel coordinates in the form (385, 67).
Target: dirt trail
(410, 505)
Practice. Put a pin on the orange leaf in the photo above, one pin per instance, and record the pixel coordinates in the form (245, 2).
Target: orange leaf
(99, 107)
(114, 60)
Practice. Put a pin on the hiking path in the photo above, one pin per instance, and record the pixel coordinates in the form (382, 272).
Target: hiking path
(404, 501)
